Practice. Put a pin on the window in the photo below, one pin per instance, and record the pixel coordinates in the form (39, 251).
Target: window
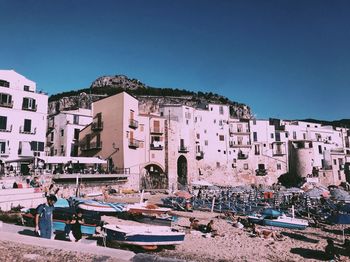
(26, 88)
(76, 133)
(257, 149)
(206, 142)
(62, 132)
(3, 147)
(255, 136)
(4, 83)
(221, 138)
(3, 122)
(76, 120)
(217, 164)
(187, 122)
(221, 110)
(254, 121)
(5, 100)
(320, 149)
(62, 149)
(214, 121)
(304, 136)
(279, 167)
(261, 166)
(278, 137)
(294, 135)
(334, 161)
(245, 166)
(198, 136)
(27, 125)
(205, 131)
(240, 140)
(220, 122)
(37, 146)
(287, 134)
(52, 136)
(272, 136)
(28, 103)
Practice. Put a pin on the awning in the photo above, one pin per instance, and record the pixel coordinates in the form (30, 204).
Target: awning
(67, 159)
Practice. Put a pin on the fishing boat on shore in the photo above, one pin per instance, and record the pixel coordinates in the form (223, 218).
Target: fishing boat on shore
(103, 208)
(143, 235)
(145, 208)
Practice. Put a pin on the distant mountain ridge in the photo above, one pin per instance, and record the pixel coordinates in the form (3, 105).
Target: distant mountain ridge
(150, 97)
(336, 123)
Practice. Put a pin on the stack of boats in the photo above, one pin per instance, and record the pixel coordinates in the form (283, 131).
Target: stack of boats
(271, 217)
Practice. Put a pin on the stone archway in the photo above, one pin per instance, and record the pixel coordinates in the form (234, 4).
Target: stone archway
(182, 171)
(153, 177)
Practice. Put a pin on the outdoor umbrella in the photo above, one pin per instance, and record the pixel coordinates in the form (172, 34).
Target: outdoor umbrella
(341, 219)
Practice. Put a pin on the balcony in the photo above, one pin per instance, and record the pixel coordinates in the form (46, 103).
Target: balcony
(242, 156)
(278, 153)
(234, 145)
(5, 153)
(157, 131)
(97, 126)
(133, 123)
(155, 146)
(6, 104)
(33, 109)
(239, 131)
(183, 149)
(91, 146)
(31, 132)
(260, 172)
(199, 155)
(6, 129)
(134, 143)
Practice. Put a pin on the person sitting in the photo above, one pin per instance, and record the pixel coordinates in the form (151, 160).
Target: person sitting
(210, 228)
(76, 222)
(194, 224)
(35, 182)
(330, 250)
(265, 233)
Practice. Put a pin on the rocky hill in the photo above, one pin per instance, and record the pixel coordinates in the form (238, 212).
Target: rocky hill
(150, 97)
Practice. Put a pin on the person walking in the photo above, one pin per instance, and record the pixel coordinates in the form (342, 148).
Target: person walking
(43, 217)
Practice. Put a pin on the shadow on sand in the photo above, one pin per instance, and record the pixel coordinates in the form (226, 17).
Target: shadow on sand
(309, 253)
(27, 232)
(300, 237)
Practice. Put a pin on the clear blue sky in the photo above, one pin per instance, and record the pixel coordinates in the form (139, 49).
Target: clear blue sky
(286, 59)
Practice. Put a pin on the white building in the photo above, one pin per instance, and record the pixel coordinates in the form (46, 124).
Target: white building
(23, 116)
(63, 131)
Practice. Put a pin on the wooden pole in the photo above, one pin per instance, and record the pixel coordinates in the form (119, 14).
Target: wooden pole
(212, 204)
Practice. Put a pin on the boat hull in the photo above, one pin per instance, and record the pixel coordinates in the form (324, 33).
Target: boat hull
(284, 224)
(85, 228)
(145, 239)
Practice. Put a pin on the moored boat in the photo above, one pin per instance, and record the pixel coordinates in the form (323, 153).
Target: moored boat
(144, 208)
(143, 235)
(286, 222)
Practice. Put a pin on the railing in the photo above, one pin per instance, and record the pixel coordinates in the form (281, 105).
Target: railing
(278, 153)
(6, 130)
(239, 131)
(133, 123)
(30, 108)
(91, 146)
(183, 149)
(6, 104)
(97, 126)
(157, 130)
(22, 131)
(199, 155)
(134, 143)
(242, 156)
(261, 172)
(156, 147)
(233, 145)
(51, 124)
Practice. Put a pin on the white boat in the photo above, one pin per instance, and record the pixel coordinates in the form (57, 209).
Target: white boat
(286, 222)
(143, 235)
(102, 207)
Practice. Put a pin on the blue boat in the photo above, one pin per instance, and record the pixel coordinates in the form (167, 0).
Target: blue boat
(143, 235)
(286, 222)
(61, 225)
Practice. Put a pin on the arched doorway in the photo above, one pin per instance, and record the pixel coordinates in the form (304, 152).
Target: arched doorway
(182, 171)
(153, 177)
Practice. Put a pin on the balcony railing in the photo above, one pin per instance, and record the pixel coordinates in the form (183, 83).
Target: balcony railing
(133, 123)
(156, 147)
(157, 130)
(6, 104)
(278, 153)
(242, 156)
(34, 109)
(30, 132)
(261, 172)
(96, 126)
(199, 155)
(134, 143)
(233, 145)
(91, 146)
(51, 124)
(6, 129)
(239, 131)
(183, 149)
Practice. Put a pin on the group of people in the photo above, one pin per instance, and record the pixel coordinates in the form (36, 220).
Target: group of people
(44, 220)
(209, 228)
